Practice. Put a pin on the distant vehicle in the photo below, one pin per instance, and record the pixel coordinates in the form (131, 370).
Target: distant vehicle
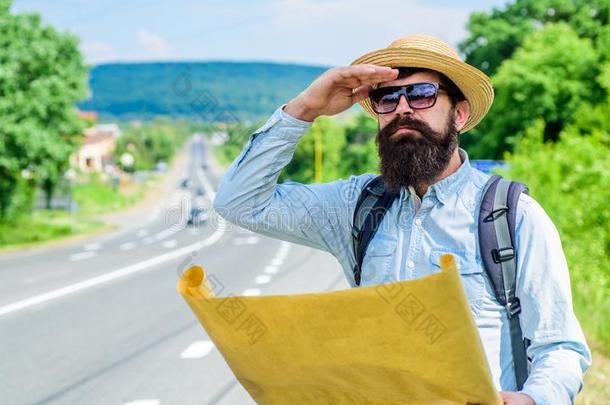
(197, 216)
(186, 183)
(205, 165)
(200, 191)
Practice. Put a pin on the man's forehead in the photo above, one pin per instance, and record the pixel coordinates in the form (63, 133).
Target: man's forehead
(414, 78)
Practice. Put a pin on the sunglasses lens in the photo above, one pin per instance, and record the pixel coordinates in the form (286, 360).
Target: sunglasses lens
(384, 99)
(421, 95)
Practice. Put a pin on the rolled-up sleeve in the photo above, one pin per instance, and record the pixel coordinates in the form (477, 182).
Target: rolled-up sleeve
(559, 352)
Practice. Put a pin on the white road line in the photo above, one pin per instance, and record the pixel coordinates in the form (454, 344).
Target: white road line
(144, 402)
(262, 279)
(127, 246)
(251, 292)
(167, 232)
(250, 240)
(276, 262)
(116, 274)
(170, 244)
(82, 256)
(92, 246)
(113, 275)
(197, 350)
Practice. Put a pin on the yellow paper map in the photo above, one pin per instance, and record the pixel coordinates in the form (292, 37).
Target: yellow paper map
(408, 342)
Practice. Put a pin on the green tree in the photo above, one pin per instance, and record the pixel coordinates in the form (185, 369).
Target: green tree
(360, 152)
(495, 36)
(550, 76)
(301, 167)
(571, 180)
(152, 142)
(42, 76)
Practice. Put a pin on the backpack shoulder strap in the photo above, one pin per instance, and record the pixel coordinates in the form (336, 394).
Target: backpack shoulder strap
(497, 221)
(372, 205)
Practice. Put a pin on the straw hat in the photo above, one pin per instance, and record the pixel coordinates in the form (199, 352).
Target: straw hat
(429, 52)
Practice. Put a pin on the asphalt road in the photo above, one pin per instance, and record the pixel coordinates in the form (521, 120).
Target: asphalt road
(101, 322)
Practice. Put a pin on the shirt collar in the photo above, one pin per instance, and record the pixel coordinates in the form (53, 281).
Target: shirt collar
(450, 185)
(454, 183)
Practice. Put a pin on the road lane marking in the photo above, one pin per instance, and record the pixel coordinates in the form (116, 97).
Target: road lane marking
(127, 246)
(262, 279)
(82, 256)
(168, 232)
(197, 350)
(92, 246)
(104, 278)
(113, 275)
(144, 402)
(251, 292)
(271, 269)
(250, 240)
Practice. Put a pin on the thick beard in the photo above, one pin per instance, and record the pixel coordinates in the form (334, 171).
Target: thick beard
(413, 160)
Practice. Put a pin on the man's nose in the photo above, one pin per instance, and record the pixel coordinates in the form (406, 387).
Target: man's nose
(403, 106)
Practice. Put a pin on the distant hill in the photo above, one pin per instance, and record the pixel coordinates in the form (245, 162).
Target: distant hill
(214, 91)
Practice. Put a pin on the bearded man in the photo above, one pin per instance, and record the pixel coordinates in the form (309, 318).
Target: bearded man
(423, 97)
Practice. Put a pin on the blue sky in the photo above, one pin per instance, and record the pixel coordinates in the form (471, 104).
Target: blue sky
(314, 32)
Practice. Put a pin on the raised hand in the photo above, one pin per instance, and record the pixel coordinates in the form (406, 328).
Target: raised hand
(337, 89)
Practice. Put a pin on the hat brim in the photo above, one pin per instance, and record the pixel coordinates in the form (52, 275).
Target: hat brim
(475, 85)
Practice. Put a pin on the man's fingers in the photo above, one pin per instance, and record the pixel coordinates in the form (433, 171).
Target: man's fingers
(361, 93)
(366, 72)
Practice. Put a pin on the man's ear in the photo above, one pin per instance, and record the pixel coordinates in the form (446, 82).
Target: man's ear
(461, 112)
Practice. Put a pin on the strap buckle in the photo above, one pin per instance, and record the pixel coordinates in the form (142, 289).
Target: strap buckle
(513, 308)
(502, 255)
(356, 233)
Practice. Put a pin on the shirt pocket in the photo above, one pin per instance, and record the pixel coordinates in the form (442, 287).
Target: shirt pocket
(471, 273)
(376, 265)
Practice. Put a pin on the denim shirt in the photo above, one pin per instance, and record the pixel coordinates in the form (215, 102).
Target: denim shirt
(408, 244)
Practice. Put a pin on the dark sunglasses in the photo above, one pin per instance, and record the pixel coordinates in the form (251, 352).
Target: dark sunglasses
(419, 96)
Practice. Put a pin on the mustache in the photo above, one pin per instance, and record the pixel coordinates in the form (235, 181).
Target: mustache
(406, 121)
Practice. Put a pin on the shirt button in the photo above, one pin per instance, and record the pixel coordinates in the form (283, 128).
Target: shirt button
(418, 222)
(410, 264)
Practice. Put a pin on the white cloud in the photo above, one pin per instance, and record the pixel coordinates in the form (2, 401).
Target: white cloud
(152, 45)
(339, 31)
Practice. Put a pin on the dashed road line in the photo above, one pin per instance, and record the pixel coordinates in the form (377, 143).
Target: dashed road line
(250, 240)
(92, 246)
(82, 256)
(197, 349)
(262, 279)
(127, 246)
(251, 292)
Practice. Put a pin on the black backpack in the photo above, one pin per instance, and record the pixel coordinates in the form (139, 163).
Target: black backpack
(496, 240)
